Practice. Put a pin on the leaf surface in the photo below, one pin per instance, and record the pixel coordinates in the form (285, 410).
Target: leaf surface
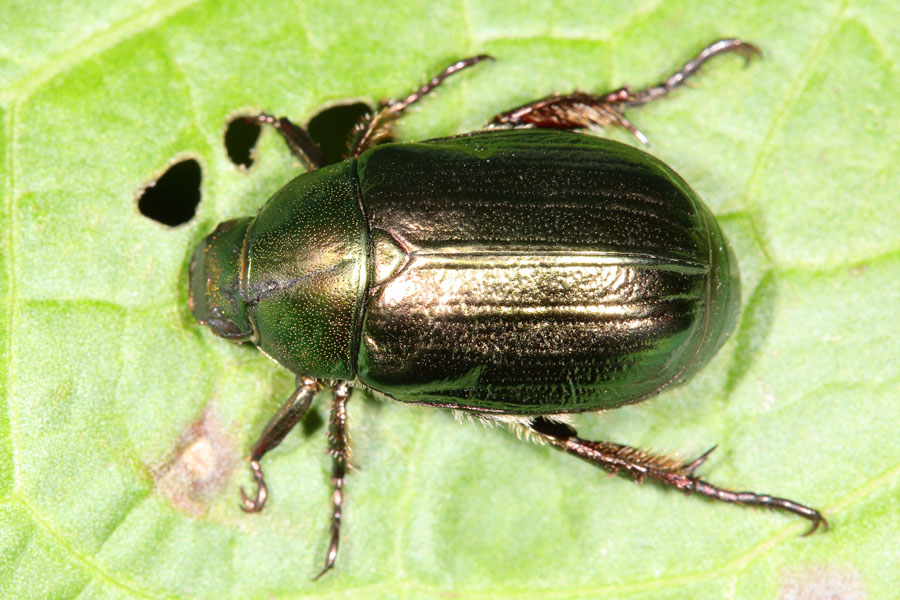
(123, 424)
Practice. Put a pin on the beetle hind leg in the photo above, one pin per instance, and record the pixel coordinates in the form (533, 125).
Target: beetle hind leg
(580, 110)
(640, 464)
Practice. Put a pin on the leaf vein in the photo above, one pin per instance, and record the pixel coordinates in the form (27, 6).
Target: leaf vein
(85, 561)
(795, 91)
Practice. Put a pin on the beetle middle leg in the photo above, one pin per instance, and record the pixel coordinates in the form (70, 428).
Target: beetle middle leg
(617, 458)
(580, 110)
(374, 128)
(339, 449)
(280, 425)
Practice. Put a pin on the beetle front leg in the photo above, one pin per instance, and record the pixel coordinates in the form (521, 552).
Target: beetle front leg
(276, 429)
(579, 110)
(339, 448)
(616, 458)
(298, 140)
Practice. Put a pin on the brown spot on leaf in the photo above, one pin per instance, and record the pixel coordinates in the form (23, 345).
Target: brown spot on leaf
(822, 582)
(199, 466)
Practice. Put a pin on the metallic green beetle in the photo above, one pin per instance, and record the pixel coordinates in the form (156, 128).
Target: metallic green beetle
(517, 274)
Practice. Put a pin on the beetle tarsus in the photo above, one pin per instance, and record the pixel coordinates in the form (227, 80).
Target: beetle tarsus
(262, 492)
(679, 77)
(329, 564)
(579, 110)
(764, 500)
(639, 464)
(817, 519)
(401, 105)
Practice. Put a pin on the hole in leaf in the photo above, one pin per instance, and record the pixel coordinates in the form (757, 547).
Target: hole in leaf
(240, 140)
(173, 198)
(332, 127)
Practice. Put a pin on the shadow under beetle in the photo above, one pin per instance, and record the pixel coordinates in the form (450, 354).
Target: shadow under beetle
(516, 274)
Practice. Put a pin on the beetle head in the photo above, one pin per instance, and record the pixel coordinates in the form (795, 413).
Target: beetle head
(215, 273)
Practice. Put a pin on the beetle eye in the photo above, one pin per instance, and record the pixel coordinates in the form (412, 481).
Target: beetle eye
(228, 329)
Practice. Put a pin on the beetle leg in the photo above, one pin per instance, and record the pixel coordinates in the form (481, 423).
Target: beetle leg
(374, 128)
(297, 139)
(339, 449)
(276, 429)
(579, 110)
(617, 458)
(679, 77)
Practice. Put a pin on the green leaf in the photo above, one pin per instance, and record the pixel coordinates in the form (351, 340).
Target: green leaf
(124, 425)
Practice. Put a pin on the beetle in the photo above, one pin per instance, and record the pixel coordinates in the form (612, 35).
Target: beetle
(517, 274)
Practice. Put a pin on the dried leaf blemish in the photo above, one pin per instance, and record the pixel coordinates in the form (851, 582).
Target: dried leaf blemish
(815, 582)
(199, 466)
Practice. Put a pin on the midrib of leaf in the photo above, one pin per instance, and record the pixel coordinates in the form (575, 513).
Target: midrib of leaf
(13, 97)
